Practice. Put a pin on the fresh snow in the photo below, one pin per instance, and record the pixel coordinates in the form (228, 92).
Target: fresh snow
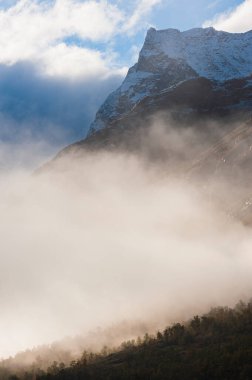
(178, 56)
(212, 54)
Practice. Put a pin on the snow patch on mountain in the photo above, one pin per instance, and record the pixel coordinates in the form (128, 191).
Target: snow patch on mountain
(169, 57)
(212, 54)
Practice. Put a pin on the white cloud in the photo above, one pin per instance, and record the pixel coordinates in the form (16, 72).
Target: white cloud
(237, 20)
(61, 59)
(30, 26)
(36, 31)
(143, 7)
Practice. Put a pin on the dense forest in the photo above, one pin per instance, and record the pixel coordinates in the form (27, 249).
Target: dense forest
(217, 345)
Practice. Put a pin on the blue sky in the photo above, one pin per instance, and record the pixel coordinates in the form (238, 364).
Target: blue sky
(184, 14)
(179, 14)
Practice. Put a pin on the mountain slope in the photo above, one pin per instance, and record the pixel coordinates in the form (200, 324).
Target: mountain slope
(198, 80)
(216, 346)
(170, 57)
(195, 103)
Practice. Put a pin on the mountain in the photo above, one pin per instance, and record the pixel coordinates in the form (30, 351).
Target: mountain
(184, 78)
(170, 58)
(200, 79)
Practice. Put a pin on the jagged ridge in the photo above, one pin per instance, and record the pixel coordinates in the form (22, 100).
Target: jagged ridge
(169, 57)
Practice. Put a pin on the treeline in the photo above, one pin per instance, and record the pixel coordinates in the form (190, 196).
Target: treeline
(217, 345)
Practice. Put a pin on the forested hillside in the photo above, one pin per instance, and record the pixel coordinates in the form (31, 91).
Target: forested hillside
(217, 345)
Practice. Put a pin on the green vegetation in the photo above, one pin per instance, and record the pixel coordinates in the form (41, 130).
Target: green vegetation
(217, 345)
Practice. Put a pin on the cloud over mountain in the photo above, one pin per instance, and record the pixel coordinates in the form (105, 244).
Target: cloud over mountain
(55, 35)
(236, 20)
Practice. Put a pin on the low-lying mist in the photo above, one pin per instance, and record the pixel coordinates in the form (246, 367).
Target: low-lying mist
(111, 238)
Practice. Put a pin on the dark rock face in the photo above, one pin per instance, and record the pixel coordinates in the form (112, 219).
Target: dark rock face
(189, 103)
(149, 77)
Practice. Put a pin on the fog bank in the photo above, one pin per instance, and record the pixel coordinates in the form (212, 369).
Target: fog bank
(112, 238)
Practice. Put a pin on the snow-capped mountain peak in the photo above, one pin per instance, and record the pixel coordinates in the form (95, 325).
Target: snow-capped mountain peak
(213, 54)
(169, 57)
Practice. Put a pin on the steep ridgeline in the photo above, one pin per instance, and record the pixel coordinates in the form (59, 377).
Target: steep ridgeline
(169, 58)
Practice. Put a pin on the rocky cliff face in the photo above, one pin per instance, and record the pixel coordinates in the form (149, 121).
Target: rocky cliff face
(169, 58)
